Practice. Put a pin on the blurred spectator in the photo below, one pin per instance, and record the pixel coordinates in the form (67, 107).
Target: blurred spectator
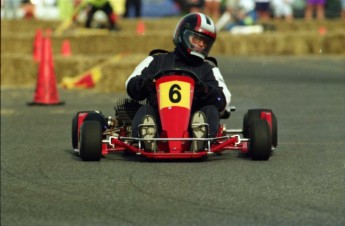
(10, 8)
(195, 6)
(262, 8)
(29, 9)
(317, 6)
(212, 9)
(238, 13)
(190, 6)
(92, 6)
(343, 9)
(133, 4)
(283, 9)
(77, 2)
(65, 9)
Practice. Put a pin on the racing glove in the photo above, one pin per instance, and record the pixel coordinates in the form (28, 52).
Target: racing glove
(147, 84)
(140, 88)
(210, 95)
(200, 89)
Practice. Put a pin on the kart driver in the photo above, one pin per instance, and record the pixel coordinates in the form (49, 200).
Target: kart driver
(92, 6)
(193, 38)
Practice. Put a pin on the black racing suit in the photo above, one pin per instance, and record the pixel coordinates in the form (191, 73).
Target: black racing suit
(215, 95)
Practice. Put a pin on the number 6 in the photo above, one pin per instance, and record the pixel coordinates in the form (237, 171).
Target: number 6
(174, 94)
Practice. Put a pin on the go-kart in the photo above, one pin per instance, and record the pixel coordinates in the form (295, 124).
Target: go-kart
(95, 136)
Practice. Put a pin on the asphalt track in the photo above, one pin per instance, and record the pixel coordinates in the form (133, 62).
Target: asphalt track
(44, 183)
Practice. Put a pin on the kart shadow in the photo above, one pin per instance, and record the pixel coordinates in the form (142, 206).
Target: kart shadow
(131, 157)
(226, 156)
(74, 155)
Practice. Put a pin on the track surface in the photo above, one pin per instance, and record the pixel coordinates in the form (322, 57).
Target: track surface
(44, 183)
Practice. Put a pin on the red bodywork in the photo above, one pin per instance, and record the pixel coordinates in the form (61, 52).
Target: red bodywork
(175, 95)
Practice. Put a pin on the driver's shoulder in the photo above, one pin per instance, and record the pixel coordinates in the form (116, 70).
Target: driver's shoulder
(157, 52)
(211, 61)
(161, 55)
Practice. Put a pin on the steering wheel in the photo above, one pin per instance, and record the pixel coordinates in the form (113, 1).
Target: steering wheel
(177, 71)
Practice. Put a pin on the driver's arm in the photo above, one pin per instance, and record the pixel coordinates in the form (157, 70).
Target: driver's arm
(218, 93)
(135, 84)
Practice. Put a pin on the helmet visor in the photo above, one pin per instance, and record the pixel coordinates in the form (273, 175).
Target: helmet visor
(197, 43)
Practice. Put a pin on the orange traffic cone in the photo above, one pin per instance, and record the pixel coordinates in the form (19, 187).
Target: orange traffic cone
(46, 89)
(322, 30)
(37, 45)
(66, 48)
(140, 27)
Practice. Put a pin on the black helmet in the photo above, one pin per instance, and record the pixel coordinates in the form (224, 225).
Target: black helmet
(195, 34)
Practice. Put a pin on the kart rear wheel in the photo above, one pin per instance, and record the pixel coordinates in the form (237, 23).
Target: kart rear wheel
(253, 114)
(260, 140)
(91, 141)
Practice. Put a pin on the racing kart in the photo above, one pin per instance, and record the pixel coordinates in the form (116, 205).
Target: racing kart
(95, 136)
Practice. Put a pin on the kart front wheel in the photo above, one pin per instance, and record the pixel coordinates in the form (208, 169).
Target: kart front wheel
(75, 132)
(91, 141)
(253, 114)
(92, 115)
(260, 140)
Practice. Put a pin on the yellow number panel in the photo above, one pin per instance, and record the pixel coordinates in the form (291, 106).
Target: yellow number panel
(174, 93)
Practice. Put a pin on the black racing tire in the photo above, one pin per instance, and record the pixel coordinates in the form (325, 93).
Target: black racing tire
(95, 116)
(260, 140)
(91, 141)
(75, 125)
(75, 131)
(253, 114)
(245, 125)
